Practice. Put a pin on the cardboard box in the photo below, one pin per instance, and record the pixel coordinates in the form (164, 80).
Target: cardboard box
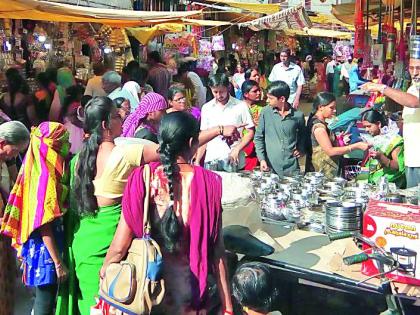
(396, 228)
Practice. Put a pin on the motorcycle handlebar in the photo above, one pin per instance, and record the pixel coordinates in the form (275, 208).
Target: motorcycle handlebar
(340, 235)
(355, 259)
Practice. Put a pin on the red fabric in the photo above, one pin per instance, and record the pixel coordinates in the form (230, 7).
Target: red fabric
(359, 34)
(251, 160)
(205, 220)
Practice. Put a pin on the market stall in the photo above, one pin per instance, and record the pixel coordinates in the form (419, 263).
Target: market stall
(294, 222)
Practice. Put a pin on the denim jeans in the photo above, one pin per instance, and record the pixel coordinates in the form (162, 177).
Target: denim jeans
(45, 299)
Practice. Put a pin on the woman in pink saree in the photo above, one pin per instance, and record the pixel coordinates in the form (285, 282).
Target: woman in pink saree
(186, 219)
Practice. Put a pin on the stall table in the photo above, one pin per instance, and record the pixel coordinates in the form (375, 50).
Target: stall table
(311, 270)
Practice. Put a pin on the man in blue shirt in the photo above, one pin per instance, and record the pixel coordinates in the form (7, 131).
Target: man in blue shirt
(355, 79)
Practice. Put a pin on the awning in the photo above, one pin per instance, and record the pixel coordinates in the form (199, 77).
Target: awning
(318, 32)
(345, 12)
(205, 22)
(58, 12)
(292, 18)
(145, 34)
(251, 7)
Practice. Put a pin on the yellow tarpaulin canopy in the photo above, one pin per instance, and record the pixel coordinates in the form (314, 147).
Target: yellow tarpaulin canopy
(317, 32)
(322, 18)
(205, 22)
(252, 7)
(58, 12)
(145, 34)
(345, 12)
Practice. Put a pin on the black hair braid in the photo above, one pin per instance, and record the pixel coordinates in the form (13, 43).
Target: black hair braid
(97, 110)
(170, 226)
(86, 171)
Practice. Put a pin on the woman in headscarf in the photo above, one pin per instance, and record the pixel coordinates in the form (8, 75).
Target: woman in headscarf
(144, 122)
(65, 80)
(33, 212)
(98, 175)
(14, 137)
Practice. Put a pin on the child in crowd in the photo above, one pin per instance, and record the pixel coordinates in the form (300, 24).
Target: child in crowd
(254, 288)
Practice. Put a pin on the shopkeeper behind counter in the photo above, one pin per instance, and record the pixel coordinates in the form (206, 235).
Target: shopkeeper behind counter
(411, 117)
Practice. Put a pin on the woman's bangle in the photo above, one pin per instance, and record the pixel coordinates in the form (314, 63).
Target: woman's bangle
(225, 312)
(350, 148)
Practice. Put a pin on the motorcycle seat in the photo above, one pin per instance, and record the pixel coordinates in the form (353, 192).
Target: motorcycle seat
(238, 239)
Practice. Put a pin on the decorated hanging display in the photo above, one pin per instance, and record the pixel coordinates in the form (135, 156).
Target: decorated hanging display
(359, 35)
(218, 43)
(181, 43)
(389, 31)
(205, 59)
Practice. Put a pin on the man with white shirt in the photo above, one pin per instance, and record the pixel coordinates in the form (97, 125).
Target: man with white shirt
(329, 71)
(344, 75)
(290, 73)
(223, 110)
(411, 118)
(111, 83)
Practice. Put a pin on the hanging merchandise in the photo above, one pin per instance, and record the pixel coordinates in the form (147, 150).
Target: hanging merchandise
(205, 59)
(181, 43)
(402, 43)
(218, 43)
(359, 36)
(367, 56)
(391, 39)
(389, 31)
(415, 46)
(343, 48)
(378, 54)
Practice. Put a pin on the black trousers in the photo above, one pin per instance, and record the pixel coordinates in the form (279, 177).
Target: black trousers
(330, 80)
(45, 299)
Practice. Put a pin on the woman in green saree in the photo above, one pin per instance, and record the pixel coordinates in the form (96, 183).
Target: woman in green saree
(387, 158)
(98, 177)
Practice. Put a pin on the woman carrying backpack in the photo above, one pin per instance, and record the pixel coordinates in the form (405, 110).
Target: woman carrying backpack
(186, 220)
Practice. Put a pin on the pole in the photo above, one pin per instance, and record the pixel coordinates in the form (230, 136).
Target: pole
(380, 24)
(367, 15)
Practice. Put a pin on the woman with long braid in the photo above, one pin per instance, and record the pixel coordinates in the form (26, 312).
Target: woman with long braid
(186, 218)
(98, 177)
